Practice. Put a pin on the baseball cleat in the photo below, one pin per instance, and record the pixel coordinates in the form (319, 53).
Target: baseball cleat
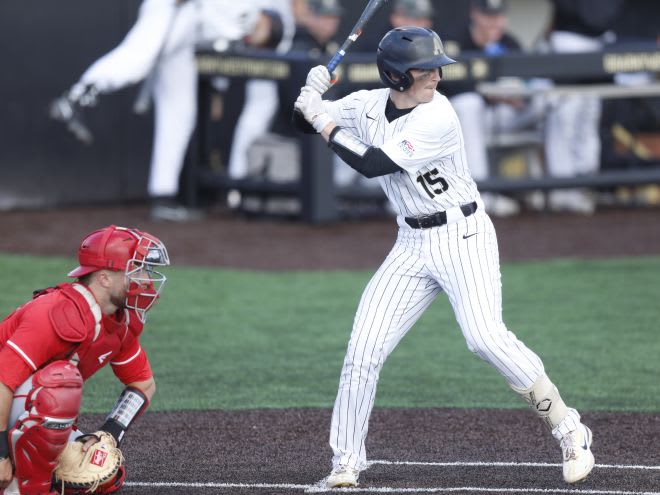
(342, 477)
(576, 450)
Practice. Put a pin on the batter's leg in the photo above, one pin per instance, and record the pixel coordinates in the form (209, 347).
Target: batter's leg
(470, 275)
(469, 272)
(394, 299)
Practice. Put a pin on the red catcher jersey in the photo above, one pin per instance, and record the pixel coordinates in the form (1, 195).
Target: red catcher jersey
(65, 322)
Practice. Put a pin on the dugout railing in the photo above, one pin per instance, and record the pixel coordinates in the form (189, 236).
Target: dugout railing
(315, 189)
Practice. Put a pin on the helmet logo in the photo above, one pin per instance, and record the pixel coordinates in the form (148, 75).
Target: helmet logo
(437, 46)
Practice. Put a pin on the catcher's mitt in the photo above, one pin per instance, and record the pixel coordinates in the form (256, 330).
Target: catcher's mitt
(85, 471)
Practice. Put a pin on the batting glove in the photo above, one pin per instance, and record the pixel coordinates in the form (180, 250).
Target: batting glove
(319, 78)
(310, 104)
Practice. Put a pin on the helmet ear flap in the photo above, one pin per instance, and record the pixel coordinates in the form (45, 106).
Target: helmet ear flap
(406, 81)
(399, 81)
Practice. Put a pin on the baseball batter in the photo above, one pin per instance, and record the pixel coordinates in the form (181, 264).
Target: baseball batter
(60, 338)
(409, 137)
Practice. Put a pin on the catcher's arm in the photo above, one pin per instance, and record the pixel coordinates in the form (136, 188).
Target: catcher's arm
(6, 468)
(132, 402)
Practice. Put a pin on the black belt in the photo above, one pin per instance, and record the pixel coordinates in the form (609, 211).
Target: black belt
(438, 219)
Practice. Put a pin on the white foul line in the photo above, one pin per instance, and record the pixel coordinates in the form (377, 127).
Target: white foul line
(508, 464)
(318, 489)
(176, 484)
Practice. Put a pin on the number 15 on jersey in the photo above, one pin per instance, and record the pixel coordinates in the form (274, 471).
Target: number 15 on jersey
(430, 180)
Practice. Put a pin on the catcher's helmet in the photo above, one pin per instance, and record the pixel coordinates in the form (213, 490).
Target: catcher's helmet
(405, 48)
(132, 251)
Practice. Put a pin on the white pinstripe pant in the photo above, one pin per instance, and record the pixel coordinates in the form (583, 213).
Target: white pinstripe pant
(422, 264)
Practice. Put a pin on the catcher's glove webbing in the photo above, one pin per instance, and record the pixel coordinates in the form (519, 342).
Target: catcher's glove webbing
(79, 471)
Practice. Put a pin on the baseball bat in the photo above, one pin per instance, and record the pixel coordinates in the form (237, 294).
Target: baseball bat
(367, 13)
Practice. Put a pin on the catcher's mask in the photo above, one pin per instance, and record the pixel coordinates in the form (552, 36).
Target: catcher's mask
(135, 252)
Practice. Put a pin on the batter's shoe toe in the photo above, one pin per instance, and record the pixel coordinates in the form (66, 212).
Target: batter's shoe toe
(576, 450)
(342, 477)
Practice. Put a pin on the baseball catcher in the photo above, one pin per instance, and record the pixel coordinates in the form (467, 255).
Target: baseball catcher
(50, 345)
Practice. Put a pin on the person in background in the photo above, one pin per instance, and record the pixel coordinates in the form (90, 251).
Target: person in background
(573, 141)
(417, 13)
(160, 51)
(317, 22)
(261, 100)
(483, 117)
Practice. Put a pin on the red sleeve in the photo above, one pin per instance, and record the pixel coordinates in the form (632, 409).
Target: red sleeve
(35, 340)
(131, 363)
(13, 370)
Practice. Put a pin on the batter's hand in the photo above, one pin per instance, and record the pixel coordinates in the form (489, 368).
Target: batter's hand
(310, 104)
(320, 79)
(6, 472)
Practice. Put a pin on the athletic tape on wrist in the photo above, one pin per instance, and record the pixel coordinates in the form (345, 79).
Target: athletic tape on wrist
(130, 405)
(4, 444)
(348, 141)
(321, 121)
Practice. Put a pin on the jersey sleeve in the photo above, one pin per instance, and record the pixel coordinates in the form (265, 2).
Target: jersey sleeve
(343, 110)
(131, 363)
(35, 340)
(423, 140)
(13, 369)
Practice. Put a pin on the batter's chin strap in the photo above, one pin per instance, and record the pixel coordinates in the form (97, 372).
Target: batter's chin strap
(130, 405)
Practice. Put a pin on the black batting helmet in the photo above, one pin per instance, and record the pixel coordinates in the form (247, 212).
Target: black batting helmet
(405, 48)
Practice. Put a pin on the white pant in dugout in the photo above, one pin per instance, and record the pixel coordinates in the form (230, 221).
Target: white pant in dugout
(422, 264)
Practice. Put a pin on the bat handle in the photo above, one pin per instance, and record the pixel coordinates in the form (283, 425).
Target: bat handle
(334, 61)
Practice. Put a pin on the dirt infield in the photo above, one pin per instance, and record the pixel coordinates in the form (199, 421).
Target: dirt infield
(286, 452)
(223, 239)
(418, 450)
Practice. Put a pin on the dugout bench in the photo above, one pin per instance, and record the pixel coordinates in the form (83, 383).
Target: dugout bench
(315, 189)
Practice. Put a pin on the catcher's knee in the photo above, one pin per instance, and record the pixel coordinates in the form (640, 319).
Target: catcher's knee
(543, 397)
(41, 433)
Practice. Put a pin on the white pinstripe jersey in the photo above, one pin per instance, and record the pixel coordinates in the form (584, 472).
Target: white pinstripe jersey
(427, 143)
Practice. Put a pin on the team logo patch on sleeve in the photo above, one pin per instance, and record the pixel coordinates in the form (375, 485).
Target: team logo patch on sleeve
(407, 147)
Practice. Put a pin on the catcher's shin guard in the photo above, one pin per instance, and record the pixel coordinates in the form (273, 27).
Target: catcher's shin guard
(42, 431)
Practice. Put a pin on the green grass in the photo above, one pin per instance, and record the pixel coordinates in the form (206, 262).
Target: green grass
(226, 339)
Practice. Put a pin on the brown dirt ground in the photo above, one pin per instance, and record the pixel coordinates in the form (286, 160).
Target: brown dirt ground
(223, 239)
(223, 451)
